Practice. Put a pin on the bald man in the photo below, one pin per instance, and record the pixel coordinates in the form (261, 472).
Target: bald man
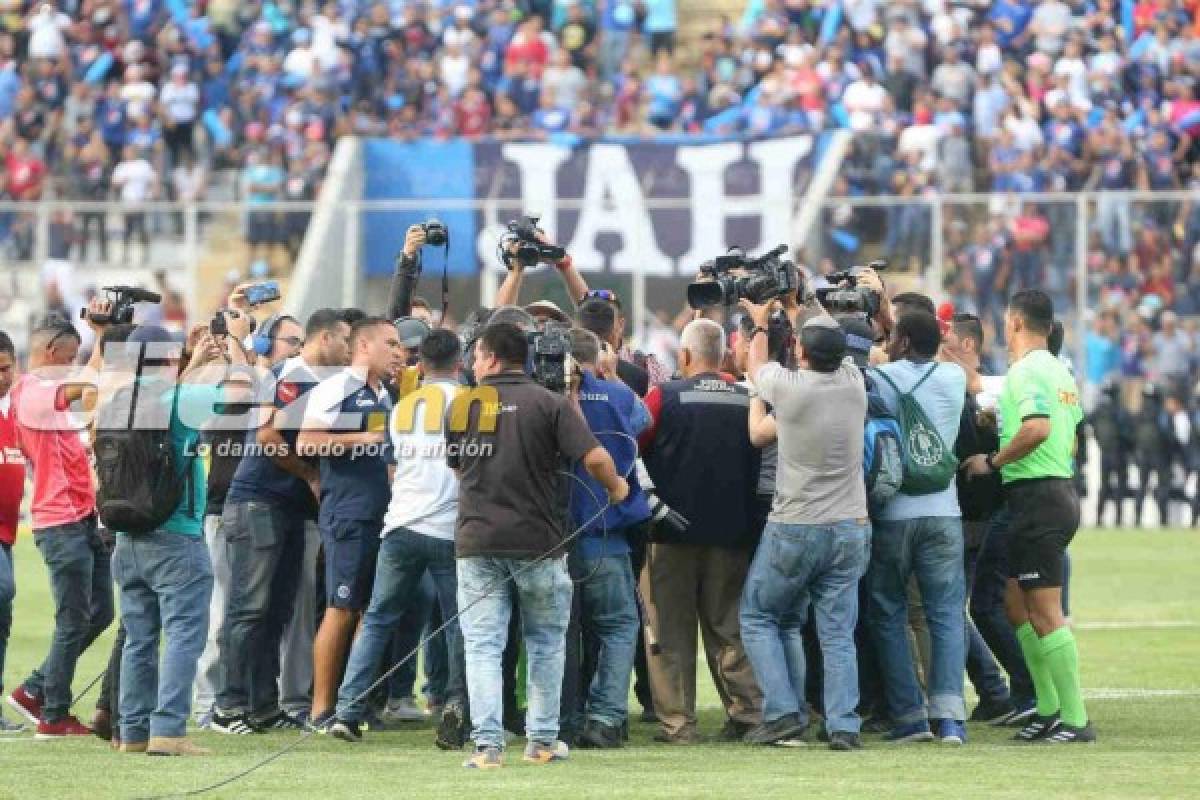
(699, 455)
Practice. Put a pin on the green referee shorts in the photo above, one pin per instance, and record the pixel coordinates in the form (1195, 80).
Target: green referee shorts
(1045, 517)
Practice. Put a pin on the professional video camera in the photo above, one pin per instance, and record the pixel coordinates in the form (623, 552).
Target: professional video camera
(122, 299)
(550, 356)
(851, 299)
(769, 277)
(529, 249)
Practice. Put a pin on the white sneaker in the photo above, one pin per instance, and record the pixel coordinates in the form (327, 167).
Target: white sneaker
(403, 710)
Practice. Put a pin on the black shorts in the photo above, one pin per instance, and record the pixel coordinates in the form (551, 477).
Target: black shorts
(351, 547)
(1045, 516)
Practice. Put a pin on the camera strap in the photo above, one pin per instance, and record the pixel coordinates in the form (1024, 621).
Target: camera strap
(445, 279)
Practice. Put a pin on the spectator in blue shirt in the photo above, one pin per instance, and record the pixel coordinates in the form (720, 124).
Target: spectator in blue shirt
(660, 25)
(665, 94)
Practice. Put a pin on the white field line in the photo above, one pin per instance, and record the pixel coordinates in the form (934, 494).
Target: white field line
(1133, 625)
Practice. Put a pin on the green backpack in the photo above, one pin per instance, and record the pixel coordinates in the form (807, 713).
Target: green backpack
(929, 465)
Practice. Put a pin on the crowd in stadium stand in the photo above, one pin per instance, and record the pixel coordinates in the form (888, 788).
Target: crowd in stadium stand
(150, 99)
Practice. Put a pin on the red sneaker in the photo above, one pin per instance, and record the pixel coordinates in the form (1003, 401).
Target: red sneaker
(67, 726)
(26, 705)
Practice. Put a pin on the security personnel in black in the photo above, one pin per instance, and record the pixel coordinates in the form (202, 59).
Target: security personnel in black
(1112, 428)
(1152, 444)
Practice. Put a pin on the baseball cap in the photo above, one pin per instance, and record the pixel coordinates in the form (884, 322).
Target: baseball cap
(823, 340)
(547, 308)
(412, 331)
(859, 338)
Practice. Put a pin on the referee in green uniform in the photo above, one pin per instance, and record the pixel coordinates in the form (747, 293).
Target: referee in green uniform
(1039, 411)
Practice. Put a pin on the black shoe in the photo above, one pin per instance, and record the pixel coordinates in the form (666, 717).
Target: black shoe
(733, 731)
(877, 725)
(449, 734)
(685, 737)
(232, 724)
(1069, 734)
(786, 727)
(346, 730)
(1038, 728)
(648, 717)
(992, 712)
(280, 721)
(598, 736)
(321, 724)
(844, 740)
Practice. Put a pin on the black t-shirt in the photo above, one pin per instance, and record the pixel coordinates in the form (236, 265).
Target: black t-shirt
(977, 497)
(634, 377)
(510, 502)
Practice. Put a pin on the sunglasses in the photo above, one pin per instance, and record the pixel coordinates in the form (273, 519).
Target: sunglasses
(291, 341)
(607, 295)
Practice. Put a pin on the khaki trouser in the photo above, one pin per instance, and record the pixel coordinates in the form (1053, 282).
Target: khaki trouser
(682, 585)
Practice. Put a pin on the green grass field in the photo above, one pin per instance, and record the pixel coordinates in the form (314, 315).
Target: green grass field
(1137, 611)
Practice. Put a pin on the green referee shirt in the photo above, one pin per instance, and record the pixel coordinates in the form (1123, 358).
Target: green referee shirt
(1039, 385)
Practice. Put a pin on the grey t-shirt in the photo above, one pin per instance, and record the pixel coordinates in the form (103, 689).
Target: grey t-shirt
(820, 419)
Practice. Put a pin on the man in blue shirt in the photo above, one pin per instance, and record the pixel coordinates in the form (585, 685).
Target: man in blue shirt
(165, 576)
(270, 499)
(921, 535)
(608, 614)
(345, 427)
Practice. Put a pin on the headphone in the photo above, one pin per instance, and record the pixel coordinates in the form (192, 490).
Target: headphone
(261, 341)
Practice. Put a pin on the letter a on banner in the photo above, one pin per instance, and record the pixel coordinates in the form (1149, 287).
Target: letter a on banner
(613, 203)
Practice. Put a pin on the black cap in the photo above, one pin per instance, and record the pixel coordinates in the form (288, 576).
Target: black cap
(860, 337)
(823, 341)
(597, 315)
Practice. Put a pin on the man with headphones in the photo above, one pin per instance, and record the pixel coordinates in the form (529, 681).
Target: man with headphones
(272, 501)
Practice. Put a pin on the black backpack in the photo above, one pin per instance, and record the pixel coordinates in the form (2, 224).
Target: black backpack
(140, 480)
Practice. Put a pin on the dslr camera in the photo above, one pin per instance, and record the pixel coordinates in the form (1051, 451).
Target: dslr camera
(436, 233)
(550, 356)
(769, 276)
(851, 299)
(123, 299)
(219, 326)
(529, 249)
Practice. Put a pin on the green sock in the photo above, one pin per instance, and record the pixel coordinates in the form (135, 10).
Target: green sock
(1043, 682)
(1061, 656)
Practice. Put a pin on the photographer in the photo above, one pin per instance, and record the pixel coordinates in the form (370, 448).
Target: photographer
(408, 270)
(815, 545)
(164, 574)
(78, 562)
(608, 613)
(509, 529)
(703, 465)
(521, 235)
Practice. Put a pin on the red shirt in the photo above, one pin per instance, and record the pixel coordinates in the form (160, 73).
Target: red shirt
(49, 438)
(12, 477)
(472, 118)
(1030, 232)
(532, 51)
(24, 174)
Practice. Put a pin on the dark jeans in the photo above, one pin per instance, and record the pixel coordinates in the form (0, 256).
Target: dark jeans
(410, 629)
(987, 608)
(404, 556)
(609, 624)
(79, 564)
(110, 688)
(265, 546)
(8, 591)
(982, 669)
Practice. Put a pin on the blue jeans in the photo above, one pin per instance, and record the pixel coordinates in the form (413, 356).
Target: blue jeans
(80, 569)
(609, 620)
(166, 583)
(8, 591)
(265, 549)
(404, 556)
(796, 565)
(407, 634)
(987, 608)
(544, 591)
(982, 669)
(932, 549)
